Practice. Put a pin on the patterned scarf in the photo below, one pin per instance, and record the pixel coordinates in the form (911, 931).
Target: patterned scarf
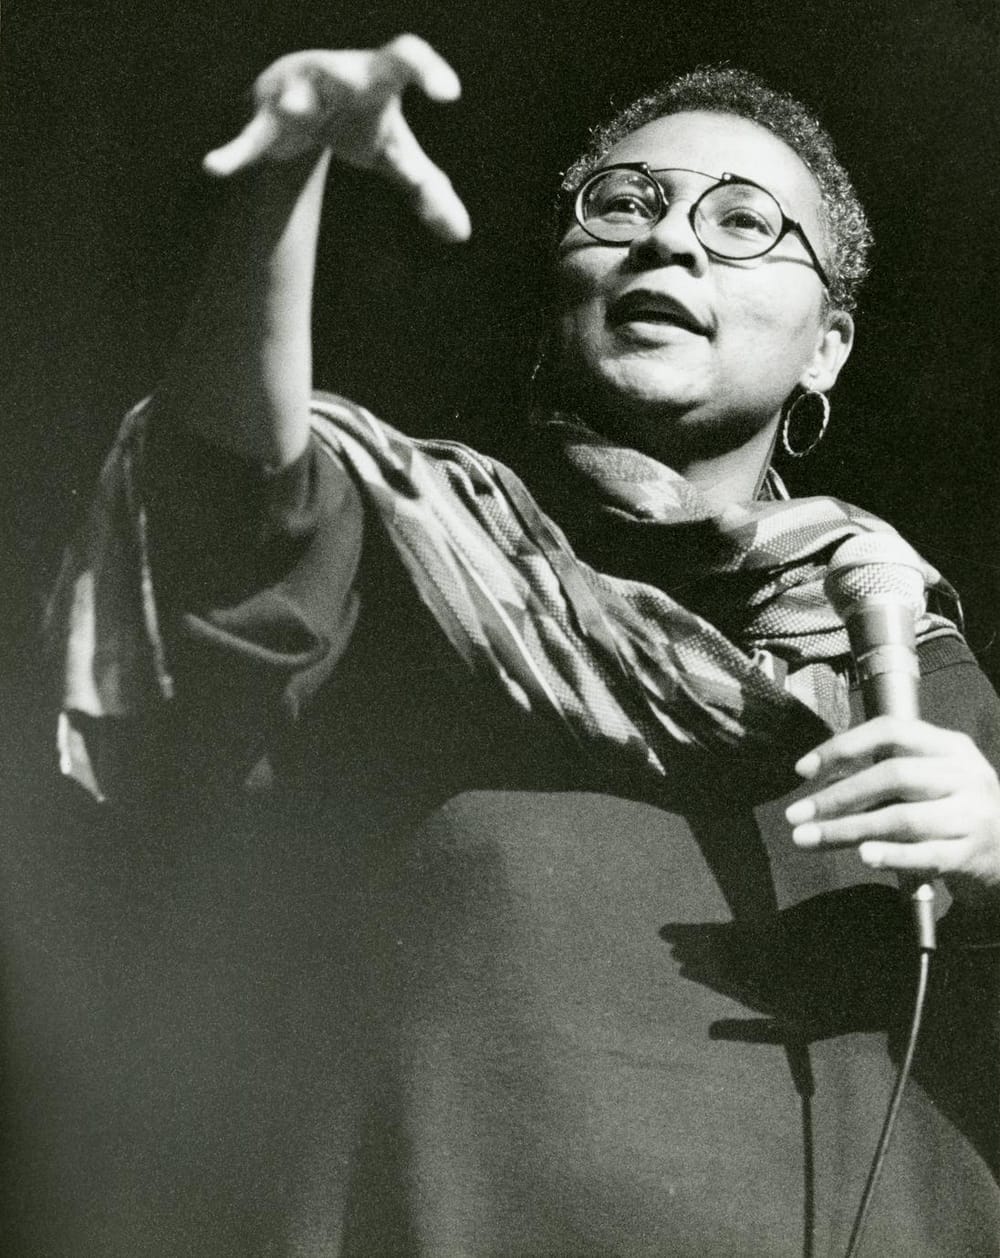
(633, 676)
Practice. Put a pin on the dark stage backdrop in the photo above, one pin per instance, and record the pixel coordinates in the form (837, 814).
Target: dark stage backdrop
(107, 107)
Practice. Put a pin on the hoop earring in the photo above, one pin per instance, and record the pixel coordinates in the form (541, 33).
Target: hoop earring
(790, 415)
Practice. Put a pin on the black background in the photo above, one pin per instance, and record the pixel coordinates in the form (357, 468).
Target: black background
(108, 106)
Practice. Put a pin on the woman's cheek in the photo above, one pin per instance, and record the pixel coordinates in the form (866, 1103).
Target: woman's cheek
(581, 335)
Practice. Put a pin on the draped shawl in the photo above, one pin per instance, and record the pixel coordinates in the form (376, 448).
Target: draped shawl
(628, 672)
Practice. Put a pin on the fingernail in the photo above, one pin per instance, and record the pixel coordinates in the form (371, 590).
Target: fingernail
(801, 810)
(807, 836)
(808, 766)
(872, 855)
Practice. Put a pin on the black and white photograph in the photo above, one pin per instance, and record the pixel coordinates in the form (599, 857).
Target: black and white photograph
(500, 737)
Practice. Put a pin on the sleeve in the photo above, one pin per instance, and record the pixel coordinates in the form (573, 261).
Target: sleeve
(256, 585)
(956, 694)
(960, 1041)
(203, 603)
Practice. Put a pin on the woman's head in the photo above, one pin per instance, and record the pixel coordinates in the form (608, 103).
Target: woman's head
(695, 352)
(727, 90)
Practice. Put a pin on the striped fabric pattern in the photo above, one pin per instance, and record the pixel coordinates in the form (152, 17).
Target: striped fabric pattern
(626, 672)
(618, 663)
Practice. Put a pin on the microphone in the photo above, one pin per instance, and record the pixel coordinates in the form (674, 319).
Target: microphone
(876, 583)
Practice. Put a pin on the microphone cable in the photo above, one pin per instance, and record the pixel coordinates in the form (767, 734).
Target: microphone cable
(889, 1125)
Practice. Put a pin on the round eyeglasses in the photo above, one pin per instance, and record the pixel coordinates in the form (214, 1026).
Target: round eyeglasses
(735, 218)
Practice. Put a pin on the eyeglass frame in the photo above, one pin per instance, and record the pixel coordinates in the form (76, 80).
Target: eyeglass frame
(787, 224)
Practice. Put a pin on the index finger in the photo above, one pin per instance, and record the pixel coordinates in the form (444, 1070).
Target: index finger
(880, 738)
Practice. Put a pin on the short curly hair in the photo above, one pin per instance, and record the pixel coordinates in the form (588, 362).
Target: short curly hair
(726, 89)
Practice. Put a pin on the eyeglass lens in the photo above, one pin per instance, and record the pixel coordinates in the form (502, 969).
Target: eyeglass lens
(732, 219)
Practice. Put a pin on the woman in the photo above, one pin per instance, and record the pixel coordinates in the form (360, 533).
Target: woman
(571, 986)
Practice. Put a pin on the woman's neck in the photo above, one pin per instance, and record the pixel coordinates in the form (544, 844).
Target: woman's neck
(734, 476)
(723, 477)
(726, 459)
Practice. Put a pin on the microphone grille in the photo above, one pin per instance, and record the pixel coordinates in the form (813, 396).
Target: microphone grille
(878, 566)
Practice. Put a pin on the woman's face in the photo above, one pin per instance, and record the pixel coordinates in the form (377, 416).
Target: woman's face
(696, 353)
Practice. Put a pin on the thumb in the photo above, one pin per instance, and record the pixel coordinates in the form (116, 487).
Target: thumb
(251, 143)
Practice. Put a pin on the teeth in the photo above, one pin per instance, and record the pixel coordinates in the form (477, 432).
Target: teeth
(656, 316)
(653, 315)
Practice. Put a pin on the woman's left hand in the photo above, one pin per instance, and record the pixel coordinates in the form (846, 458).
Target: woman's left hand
(930, 802)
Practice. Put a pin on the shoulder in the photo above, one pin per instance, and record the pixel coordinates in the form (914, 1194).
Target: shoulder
(338, 422)
(433, 475)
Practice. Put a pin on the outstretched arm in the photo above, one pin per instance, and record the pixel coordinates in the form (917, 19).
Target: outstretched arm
(241, 373)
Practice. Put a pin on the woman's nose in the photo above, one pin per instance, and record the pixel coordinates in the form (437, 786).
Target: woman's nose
(671, 240)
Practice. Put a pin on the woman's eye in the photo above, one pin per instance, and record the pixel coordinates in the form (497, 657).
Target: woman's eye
(745, 221)
(626, 197)
(624, 205)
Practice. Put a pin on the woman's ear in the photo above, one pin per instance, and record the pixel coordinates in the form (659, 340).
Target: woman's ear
(833, 347)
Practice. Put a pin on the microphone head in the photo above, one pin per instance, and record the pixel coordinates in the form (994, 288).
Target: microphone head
(879, 568)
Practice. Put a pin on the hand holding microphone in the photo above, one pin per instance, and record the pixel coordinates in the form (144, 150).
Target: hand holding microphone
(910, 796)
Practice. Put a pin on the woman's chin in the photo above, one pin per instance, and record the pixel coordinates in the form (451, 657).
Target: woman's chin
(645, 397)
(675, 430)
(644, 381)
